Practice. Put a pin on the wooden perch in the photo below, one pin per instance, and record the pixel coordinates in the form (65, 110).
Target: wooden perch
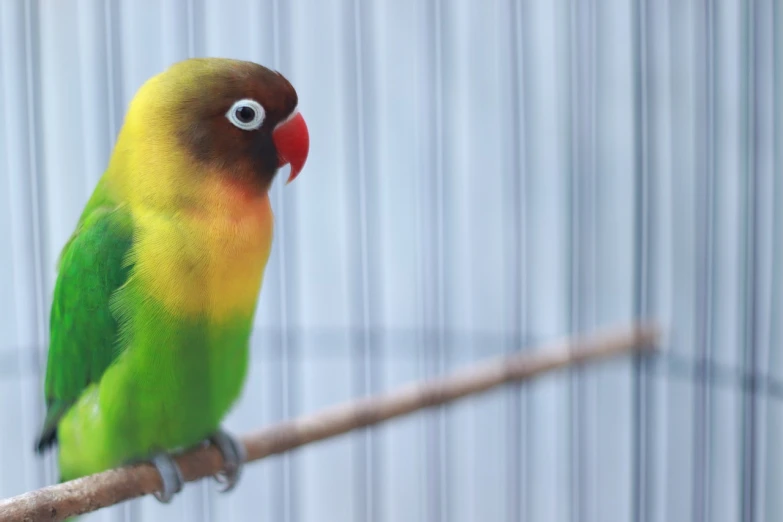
(111, 487)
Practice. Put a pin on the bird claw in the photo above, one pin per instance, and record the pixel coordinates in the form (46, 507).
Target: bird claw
(234, 456)
(170, 475)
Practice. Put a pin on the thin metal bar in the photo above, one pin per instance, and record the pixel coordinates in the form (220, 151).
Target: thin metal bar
(585, 228)
(190, 14)
(365, 482)
(705, 283)
(113, 68)
(284, 495)
(776, 307)
(591, 192)
(437, 440)
(641, 413)
(574, 453)
(440, 270)
(421, 105)
(517, 498)
(763, 193)
(674, 366)
(710, 277)
(581, 234)
(750, 405)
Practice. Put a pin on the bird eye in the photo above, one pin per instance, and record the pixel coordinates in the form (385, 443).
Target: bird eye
(246, 114)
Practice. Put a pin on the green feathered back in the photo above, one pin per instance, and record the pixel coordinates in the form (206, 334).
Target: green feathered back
(83, 331)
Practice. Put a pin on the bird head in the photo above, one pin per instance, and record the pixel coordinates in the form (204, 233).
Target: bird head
(235, 118)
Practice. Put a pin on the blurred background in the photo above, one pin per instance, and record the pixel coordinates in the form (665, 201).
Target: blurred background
(482, 175)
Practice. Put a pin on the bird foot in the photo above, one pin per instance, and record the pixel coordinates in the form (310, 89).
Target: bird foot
(234, 455)
(170, 475)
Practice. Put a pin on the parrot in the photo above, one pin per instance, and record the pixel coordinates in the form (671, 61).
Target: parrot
(157, 286)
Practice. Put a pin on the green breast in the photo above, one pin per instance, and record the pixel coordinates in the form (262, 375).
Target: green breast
(169, 389)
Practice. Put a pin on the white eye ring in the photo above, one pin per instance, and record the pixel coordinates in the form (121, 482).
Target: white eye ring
(244, 121)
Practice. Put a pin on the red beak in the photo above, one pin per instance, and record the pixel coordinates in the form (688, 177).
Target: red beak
(293, 143)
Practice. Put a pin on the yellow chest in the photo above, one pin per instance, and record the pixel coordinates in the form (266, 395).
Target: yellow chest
(204, 264)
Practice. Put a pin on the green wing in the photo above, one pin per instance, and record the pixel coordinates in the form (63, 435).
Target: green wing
(83, 330)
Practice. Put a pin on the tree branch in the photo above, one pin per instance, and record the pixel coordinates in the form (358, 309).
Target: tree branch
(111, 487)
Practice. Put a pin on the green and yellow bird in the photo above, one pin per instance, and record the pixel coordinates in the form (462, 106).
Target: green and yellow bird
(157, 287)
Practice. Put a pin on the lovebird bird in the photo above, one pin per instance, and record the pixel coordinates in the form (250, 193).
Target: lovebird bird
(157, 287)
